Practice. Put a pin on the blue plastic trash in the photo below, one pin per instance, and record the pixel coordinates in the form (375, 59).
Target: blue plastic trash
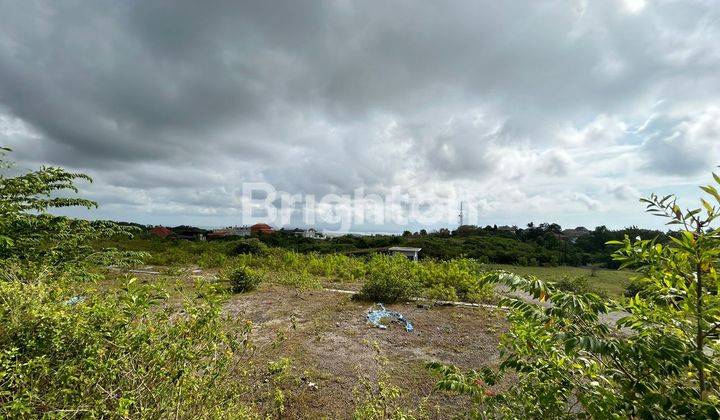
(74, 300)
(374, 316)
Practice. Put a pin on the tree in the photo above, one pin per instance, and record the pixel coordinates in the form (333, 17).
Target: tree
(660, 359)
(32, 240)
(73, 351)
(682, 276)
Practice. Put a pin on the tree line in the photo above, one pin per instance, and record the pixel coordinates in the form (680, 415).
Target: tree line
(534, 245)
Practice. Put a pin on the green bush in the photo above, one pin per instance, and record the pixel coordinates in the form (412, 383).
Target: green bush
(390, 279)
(115, 355)
(251, 246)
(395, 278)
(212, 259)
(243, 279)
(634, 287)
(577, 284)
(456, 279)
(169, 256)
(337, 266)
(660, 359)
(298, 278)
(441, 292)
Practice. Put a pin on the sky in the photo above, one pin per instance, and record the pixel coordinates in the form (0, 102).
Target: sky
(546, 111)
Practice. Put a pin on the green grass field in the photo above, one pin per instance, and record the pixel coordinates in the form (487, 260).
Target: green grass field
(611, 281)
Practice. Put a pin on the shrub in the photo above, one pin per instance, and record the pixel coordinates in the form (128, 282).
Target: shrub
(660, 359)
(441, 292)
(340, 267)
(251, 246)
(31, 237)
(115, 355)
(212, 259)
(390, 279)
(454, 280)
(634, 287)
(243, 279)
(577, 284)
(169, 256)
(90, 354)
(298, 278)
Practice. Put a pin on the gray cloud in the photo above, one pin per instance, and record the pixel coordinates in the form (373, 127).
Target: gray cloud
(684, 145)
(189, 100)
(555, 163)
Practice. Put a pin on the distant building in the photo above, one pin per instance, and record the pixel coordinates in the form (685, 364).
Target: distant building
(572, 235)
(310, 233)
(161, 231)
(410, 253)
(507, 228)
(313, 234)
(239, 231)
(229, 232)
(259, 228)
(189, 233)
(292, 232)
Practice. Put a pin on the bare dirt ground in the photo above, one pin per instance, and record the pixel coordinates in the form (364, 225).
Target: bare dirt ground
(337, 358)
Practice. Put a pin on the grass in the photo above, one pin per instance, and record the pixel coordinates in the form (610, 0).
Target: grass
(611, 281)
(309, 270)
(314, 355)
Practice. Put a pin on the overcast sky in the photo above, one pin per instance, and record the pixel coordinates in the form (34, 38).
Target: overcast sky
(563, 111)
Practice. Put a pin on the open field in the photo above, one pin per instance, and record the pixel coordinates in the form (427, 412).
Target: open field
(611, 281)
(315, 349)
(215, 254)
(314, 354)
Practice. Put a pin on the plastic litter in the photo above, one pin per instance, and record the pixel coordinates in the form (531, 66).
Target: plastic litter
(74, 300)
(374, 316)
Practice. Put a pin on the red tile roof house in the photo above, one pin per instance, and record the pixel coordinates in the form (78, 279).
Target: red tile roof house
(161, 231)
(261, 228)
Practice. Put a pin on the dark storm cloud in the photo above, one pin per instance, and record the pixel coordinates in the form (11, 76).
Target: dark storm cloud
(328, 96)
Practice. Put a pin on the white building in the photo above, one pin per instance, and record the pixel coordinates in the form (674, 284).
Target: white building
(230, 231)
(410, 253)
(312, 234)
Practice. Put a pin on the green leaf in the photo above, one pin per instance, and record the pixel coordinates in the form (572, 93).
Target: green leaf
(710, 209)
(712, 191)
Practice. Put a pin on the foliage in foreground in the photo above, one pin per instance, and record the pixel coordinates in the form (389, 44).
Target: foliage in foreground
(34, 242)
(116, 353)
(659, 360)
(126, 353)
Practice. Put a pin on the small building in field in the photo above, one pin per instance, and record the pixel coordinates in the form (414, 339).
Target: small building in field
(161, 231)
(410, 253)
(261, 228)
